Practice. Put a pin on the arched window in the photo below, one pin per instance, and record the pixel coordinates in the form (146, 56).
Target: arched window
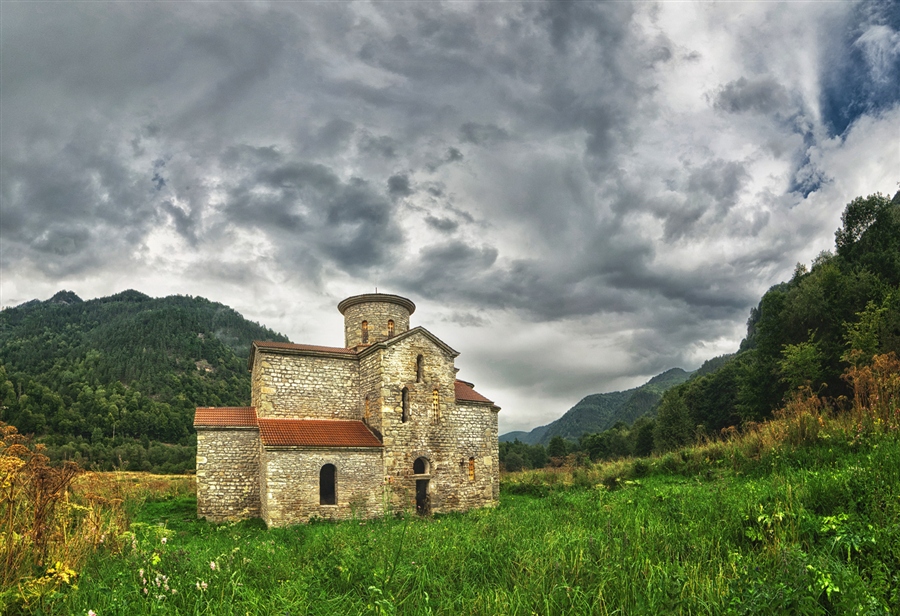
(328, 485)
(436, 405)
(471, 469)
(404, 400)
(419, 361)
(390, 328)
(421, 466)
(365, 332)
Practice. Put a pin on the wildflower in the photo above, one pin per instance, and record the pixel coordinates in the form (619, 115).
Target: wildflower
(141, 572)
(212, 565)
(91, 613)
(145, 590)
(163, 540)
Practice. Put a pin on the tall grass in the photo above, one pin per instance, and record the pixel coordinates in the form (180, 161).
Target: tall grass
(811, 538)
(798, 515)
(52, 519)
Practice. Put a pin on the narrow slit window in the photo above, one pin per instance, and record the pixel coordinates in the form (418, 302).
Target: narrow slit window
(404, 401)
(367, 411)
(365, 332)
(471, 469)
(436, 405)
(327, 485)
(419, 361)
(390, 329)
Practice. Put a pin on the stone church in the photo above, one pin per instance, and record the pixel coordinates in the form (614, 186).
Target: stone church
(379, 425)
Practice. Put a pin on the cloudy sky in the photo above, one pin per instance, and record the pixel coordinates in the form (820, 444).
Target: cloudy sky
(577, 196)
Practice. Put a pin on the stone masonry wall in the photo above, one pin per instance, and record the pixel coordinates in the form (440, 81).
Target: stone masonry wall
(425, 434)
(476, 427)
(377, 314)
(305, 387)
(291, 484)
(228, 473)
(370, 377)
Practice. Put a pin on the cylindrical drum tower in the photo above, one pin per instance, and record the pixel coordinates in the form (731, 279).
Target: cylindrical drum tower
(374, 317)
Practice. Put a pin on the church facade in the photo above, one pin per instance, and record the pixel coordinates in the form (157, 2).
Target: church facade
(379, 425)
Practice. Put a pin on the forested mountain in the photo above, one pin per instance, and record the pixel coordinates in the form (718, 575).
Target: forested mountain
(802, 338)
(115, 380)
(805, 333)
(599, 412)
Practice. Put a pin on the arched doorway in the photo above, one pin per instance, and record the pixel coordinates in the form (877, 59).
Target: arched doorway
(422, 473)
(327, 481)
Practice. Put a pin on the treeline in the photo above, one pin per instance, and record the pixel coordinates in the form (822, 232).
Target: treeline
(805, 334)
(114, 382)
(619, 441)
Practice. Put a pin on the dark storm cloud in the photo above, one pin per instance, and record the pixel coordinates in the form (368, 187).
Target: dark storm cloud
(451, 156)
(762, 95)
(545, 162)
(185, 223)
(482, 134)
(383, 146)
(331, 138)
(398, 185)
(569, 21)
(467, 319)
(442, 224)
(75, 210)
(312, 214)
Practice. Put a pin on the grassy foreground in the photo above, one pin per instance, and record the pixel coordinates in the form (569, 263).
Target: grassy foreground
(797, 515)
(805, 530)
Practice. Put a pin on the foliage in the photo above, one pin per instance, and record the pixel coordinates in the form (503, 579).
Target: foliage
(53, 518)
(114, 382)
(801, 529)
(805, 333)
(516, 455)
(30, 492)
(600, 412)
(796, 515)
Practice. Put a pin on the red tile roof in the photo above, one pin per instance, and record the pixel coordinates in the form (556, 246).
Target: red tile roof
(316, 433)
(465, 392)
(228, 416)
(301, 347)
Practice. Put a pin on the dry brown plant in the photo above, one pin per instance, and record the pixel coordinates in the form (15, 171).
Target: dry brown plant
(876, 394)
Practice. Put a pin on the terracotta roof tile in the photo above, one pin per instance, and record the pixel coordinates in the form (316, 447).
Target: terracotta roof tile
(290, 346)
(316, 433)
(228, 416)
(465, 392)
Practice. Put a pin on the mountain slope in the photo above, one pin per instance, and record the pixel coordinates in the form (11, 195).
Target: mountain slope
(88, 374)
(599, 412)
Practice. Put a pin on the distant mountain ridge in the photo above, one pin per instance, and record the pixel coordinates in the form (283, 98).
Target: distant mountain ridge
(599, 412)
(91, 378)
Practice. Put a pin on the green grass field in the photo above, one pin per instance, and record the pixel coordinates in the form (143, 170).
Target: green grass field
(813, 529)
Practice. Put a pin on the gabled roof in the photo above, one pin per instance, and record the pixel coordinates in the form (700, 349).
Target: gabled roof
(316, 433)
(466, 393)
(407, 334)
(225, 417)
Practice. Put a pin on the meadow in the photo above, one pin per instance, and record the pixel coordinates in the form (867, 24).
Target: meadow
(798, 515)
